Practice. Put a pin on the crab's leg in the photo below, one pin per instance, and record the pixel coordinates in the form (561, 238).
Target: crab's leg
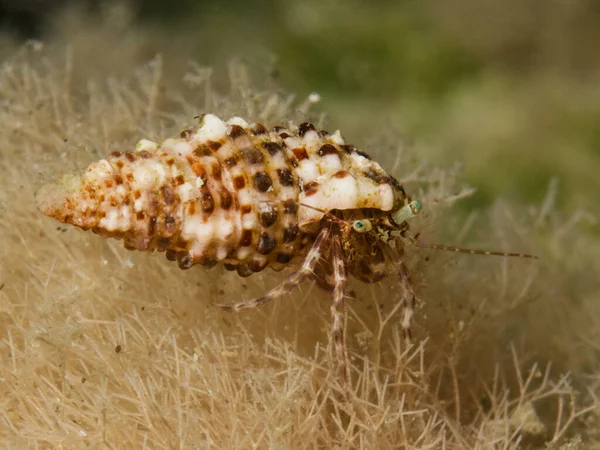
(408, 299)
(337, 306)
(408, 293)
(308, 265)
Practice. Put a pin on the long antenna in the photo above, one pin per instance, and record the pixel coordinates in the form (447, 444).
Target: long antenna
(473, 252)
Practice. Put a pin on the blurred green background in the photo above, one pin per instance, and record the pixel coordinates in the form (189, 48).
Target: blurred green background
(511, 89)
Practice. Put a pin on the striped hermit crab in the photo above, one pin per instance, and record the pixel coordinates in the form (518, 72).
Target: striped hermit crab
(247, 197)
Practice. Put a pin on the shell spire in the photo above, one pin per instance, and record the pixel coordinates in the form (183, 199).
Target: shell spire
(126, 196)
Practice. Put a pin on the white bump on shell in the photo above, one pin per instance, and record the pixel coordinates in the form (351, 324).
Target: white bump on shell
(386, 197)
(121, 190)
(368, 197)
(243, 252)
(125, 216)
(340, 193)
(249, 221)
(148, 173)
(336, 138)
(177, 147)
(332, 163)
(361, 161)
(264, 207)
(222, 253)
(142, 176)
(110, 221)
(237, 121)
(146, 144)
(312, 142)
(99, 171)
(212, 129)
(245, 197)
(293, 142)
(187, 192)
(138, 205)
(308, 170)
(226, 227)
(198, 233)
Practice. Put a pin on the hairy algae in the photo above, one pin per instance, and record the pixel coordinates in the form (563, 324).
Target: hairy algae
(101, 346)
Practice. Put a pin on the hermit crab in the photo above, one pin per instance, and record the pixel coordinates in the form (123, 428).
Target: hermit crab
(238, 194)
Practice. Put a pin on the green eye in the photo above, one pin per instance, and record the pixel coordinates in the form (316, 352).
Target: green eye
(362, 226)
(407, 211)
(415, 207)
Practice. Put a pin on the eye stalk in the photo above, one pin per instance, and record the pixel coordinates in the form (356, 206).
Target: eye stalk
(407, 211)
(362, 226)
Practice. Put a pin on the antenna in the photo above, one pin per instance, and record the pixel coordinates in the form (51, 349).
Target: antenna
(473, 252)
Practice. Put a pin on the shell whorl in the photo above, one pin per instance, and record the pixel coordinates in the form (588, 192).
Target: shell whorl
(227, 192)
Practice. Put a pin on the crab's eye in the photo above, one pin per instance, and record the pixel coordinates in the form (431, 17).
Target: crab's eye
(407, 211)
(362, 226)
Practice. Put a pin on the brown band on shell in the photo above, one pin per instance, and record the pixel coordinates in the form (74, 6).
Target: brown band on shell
(262, 182)
(239, 182)
(202, 150)
(272, 147)
(268, 216)
(341, 174)
(207, 202)
(379, 178)
(285, 177)
(246, 239)
(283, 258)
(244, 271)
(252, 155)
(236, 132)
(290, 207)
(300, 153)
(186, 134)
(168, 194)
(214, 145)
(231, 161)
(259, 129)
(266, 244)
(304, 128)
(327, 149)
(290, 233)
(311, 188)
(225, 198)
